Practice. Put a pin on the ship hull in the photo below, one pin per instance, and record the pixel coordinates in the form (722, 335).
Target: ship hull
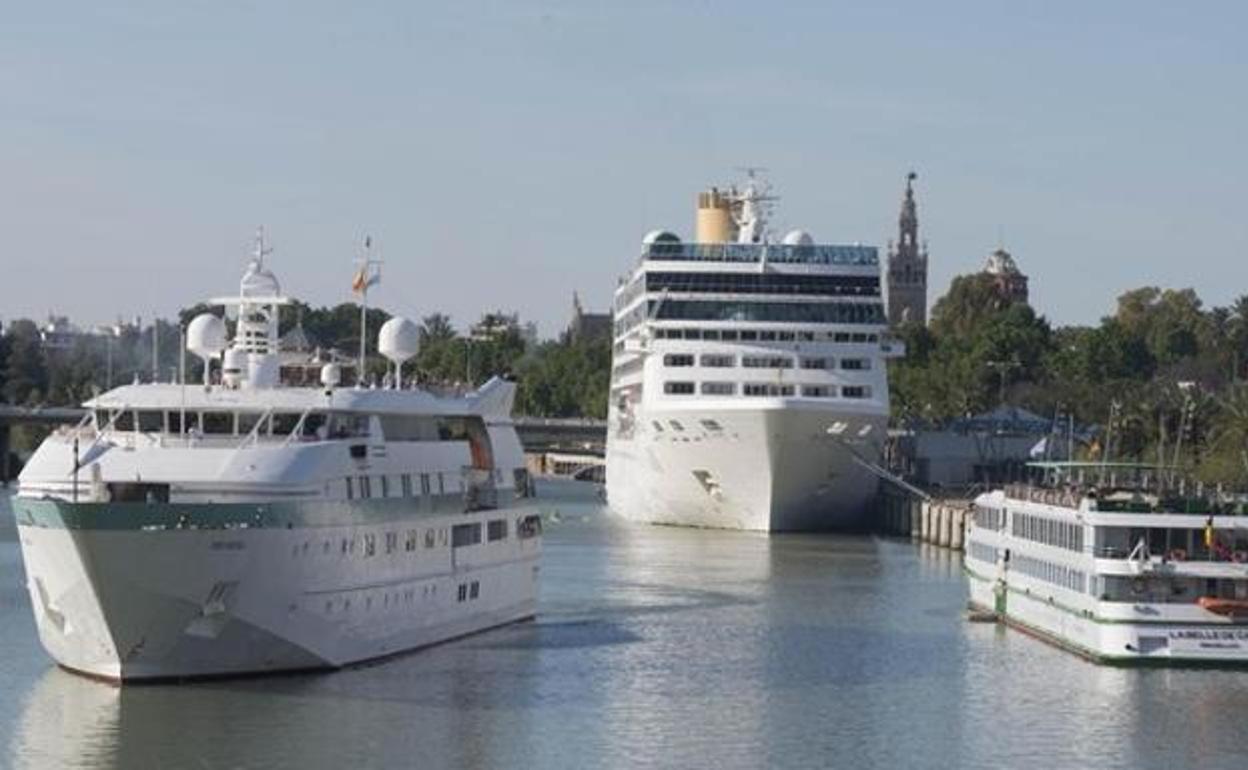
(248, 589)
(764, 469)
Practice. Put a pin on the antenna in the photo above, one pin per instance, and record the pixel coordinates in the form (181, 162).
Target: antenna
(368, 274)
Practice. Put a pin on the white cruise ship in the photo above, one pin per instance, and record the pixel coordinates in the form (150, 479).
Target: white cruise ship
(1115, 562)
(748, 385)
(241, 525)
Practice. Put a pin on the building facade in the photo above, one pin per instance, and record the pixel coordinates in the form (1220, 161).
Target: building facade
(1007, 279)
(907, 265)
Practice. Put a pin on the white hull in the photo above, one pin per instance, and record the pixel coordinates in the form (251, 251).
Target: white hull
(127, 604)
(1116, 641)
(765, 469)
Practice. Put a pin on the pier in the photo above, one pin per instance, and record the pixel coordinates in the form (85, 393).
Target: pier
(939, 521)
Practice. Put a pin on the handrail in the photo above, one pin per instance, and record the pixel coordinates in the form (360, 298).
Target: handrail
(298, 429)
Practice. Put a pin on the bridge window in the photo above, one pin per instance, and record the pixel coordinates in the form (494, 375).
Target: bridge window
(124, 421)
(218, 423)
(151, 422)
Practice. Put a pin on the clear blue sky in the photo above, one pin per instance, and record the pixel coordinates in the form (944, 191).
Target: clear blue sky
(504, 154)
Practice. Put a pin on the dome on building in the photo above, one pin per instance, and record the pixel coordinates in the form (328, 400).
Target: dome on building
(798, 238)
(1001, 263)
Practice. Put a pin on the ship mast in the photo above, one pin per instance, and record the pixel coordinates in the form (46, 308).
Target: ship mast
(367, 274)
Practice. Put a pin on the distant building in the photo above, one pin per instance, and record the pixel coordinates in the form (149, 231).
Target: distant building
(587, 326)
(58, 333)
(907, 265)
(1009, 281)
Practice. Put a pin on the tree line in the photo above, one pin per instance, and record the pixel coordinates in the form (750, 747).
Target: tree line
(1161, 379)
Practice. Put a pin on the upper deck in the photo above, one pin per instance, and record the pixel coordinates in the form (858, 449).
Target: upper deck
(763, 253)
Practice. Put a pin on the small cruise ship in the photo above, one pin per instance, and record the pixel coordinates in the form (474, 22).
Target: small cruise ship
(748, 385)
(1119, 563)
(243, 525)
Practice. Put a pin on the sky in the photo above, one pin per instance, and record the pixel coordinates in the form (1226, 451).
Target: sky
(504, 155)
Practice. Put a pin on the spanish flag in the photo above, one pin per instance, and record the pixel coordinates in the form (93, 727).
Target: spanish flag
(363, 279)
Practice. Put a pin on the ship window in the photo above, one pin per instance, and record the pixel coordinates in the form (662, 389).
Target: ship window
(366, 487)
(218, 423)
(529, 527)
(406, 482)
(728, 335)
(856, 391)
(693, 334)
(767, 389)
(712, 425)
(151, 422)
(658, 426)
(767, 336)
(424, 483)
(678, 388)
(350, 489)
(314, 424)
(465, 534)
(409, 543)
(806, 336)
(409, 428)
(841, 336)
(677, 359)
(676, 426)
(283, 423)
(719, 361)
(370, 544)
(816, 391)
(815, 363)
(749, 336)
(247, 422)
(858, 364)
(496, 530)
(173, 421)
(474, 590)
(441, 484)
(124, 421)
(767, 362)
(785, 336)
(429, 539)
(463, 592)
(719, 388)
(385, 486)
(342, 425)
(710, 334)
(392, 541)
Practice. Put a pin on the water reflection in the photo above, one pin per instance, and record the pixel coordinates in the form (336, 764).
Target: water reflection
(660, 647)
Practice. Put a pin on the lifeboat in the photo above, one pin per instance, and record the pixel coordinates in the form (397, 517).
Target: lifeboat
(1232, 608)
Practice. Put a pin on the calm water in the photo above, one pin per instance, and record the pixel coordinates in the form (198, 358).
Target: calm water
(656, 647)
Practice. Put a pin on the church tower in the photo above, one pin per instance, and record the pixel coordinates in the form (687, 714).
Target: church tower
(907, 266)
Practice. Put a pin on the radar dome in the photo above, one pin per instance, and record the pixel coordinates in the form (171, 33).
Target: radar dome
(798, 238)
(398, 340)
(331, 375)
(205, 336)
(660, 236)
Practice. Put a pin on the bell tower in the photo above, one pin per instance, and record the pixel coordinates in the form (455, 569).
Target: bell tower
(907, 265)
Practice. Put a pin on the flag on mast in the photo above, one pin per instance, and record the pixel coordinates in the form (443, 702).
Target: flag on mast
(366, 276)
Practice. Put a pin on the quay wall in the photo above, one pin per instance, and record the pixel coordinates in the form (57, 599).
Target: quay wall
(940, 521)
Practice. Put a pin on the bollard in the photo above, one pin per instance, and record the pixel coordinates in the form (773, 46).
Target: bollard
(925, 522)
(959, 529)
(942, 534)
(915, 511)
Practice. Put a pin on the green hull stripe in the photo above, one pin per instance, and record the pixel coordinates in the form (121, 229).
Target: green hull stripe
(285, 514)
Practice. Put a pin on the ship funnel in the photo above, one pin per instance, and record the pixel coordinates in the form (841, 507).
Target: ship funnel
(205, 338)
(398, 340)
(715, 223)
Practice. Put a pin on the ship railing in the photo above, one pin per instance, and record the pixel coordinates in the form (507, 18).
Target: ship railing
(480, 491)
(779, 253)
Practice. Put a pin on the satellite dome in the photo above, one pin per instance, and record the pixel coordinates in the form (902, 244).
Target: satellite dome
(205, 336)
(398, 340)
(331, 375)
(798, 238)
(660, 236)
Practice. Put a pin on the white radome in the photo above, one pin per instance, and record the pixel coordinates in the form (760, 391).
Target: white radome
(205, 336)
(398, 340)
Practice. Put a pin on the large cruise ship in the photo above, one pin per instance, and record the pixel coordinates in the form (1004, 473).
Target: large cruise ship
(242, 525)
(1116, 562)
(748, 385)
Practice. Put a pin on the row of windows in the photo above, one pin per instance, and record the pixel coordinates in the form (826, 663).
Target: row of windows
(762, 283)
(1060, 534)
(299, 425)
(783, 312)
(989, 517)
(363, 486)
(769, 335)
(724, 361)
(686, 388)
(982, 552)
(1057, 574)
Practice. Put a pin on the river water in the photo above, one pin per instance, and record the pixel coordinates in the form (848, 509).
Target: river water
(656, 647)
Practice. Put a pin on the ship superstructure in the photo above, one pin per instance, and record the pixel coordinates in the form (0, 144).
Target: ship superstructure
(241, 525)
(1116, 562)
(748, 383)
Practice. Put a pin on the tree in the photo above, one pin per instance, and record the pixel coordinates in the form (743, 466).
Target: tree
(25, 371)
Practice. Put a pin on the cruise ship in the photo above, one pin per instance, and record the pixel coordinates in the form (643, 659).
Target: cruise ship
(241, 525)
(1119, 563)
(748, 382)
